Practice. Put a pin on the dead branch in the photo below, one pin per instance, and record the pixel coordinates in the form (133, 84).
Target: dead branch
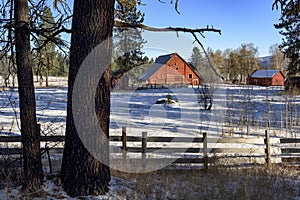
(121, 24)
(206, 54)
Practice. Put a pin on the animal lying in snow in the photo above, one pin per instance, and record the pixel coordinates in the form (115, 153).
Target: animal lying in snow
(168, 102)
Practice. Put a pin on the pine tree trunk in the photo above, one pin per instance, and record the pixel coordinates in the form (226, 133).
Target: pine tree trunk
(47, 80)
(33, 174)
(82, 174)
(47, 68)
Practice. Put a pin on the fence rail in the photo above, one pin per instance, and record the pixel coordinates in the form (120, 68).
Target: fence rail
(229, 151)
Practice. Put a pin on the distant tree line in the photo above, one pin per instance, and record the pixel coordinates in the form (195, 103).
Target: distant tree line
(56, 65)
(235, 65)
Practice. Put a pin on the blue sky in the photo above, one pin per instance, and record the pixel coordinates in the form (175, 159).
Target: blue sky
(241, 21)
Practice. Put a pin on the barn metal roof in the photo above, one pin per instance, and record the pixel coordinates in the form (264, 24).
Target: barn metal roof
(264, 73)
(159, 62)
(150, 71)
(163, 59)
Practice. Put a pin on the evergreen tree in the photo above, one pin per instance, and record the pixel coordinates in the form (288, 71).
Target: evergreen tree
(83, 174)
(62, 65)
(32, 166)
(4, 69)
(45, 57)
(289, 25)
(128, 43)
(196, 58)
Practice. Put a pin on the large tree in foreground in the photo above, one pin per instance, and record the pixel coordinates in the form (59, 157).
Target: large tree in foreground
(82, 173)
(33, 174)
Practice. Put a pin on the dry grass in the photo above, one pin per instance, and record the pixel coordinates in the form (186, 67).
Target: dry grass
(217, 183)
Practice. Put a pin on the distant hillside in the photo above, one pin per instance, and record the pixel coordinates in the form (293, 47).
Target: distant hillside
(265, 61)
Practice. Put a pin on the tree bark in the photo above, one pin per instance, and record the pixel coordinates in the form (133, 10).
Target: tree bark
(82, 174)
(33, 173)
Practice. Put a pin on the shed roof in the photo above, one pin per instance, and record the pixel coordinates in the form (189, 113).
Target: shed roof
(264, 73)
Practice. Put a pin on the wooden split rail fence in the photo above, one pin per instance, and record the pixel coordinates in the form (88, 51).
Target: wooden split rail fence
(204, 151)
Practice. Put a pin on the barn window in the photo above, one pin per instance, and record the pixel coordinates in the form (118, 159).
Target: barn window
(190, 75)
(177, 68)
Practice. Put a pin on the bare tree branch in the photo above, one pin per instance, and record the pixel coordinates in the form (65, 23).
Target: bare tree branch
(176, 6)
(52, 37)
(206, 54)
(121, 24)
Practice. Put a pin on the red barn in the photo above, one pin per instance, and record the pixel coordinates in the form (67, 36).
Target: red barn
(266, 78)
(170, 69)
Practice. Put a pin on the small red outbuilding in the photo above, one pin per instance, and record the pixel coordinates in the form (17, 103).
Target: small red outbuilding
(266, 78)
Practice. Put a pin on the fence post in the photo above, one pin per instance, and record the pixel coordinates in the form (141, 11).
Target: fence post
(267, 150)
(124, 143)
(144, 146)
(205, 151)
(124, 138)
(38, 129)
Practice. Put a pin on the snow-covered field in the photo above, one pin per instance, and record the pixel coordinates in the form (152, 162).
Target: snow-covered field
(237, 111)
(237, 107)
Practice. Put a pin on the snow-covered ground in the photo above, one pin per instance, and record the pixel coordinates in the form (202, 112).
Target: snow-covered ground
(237, 107)
(237, 111)
(51, 110)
